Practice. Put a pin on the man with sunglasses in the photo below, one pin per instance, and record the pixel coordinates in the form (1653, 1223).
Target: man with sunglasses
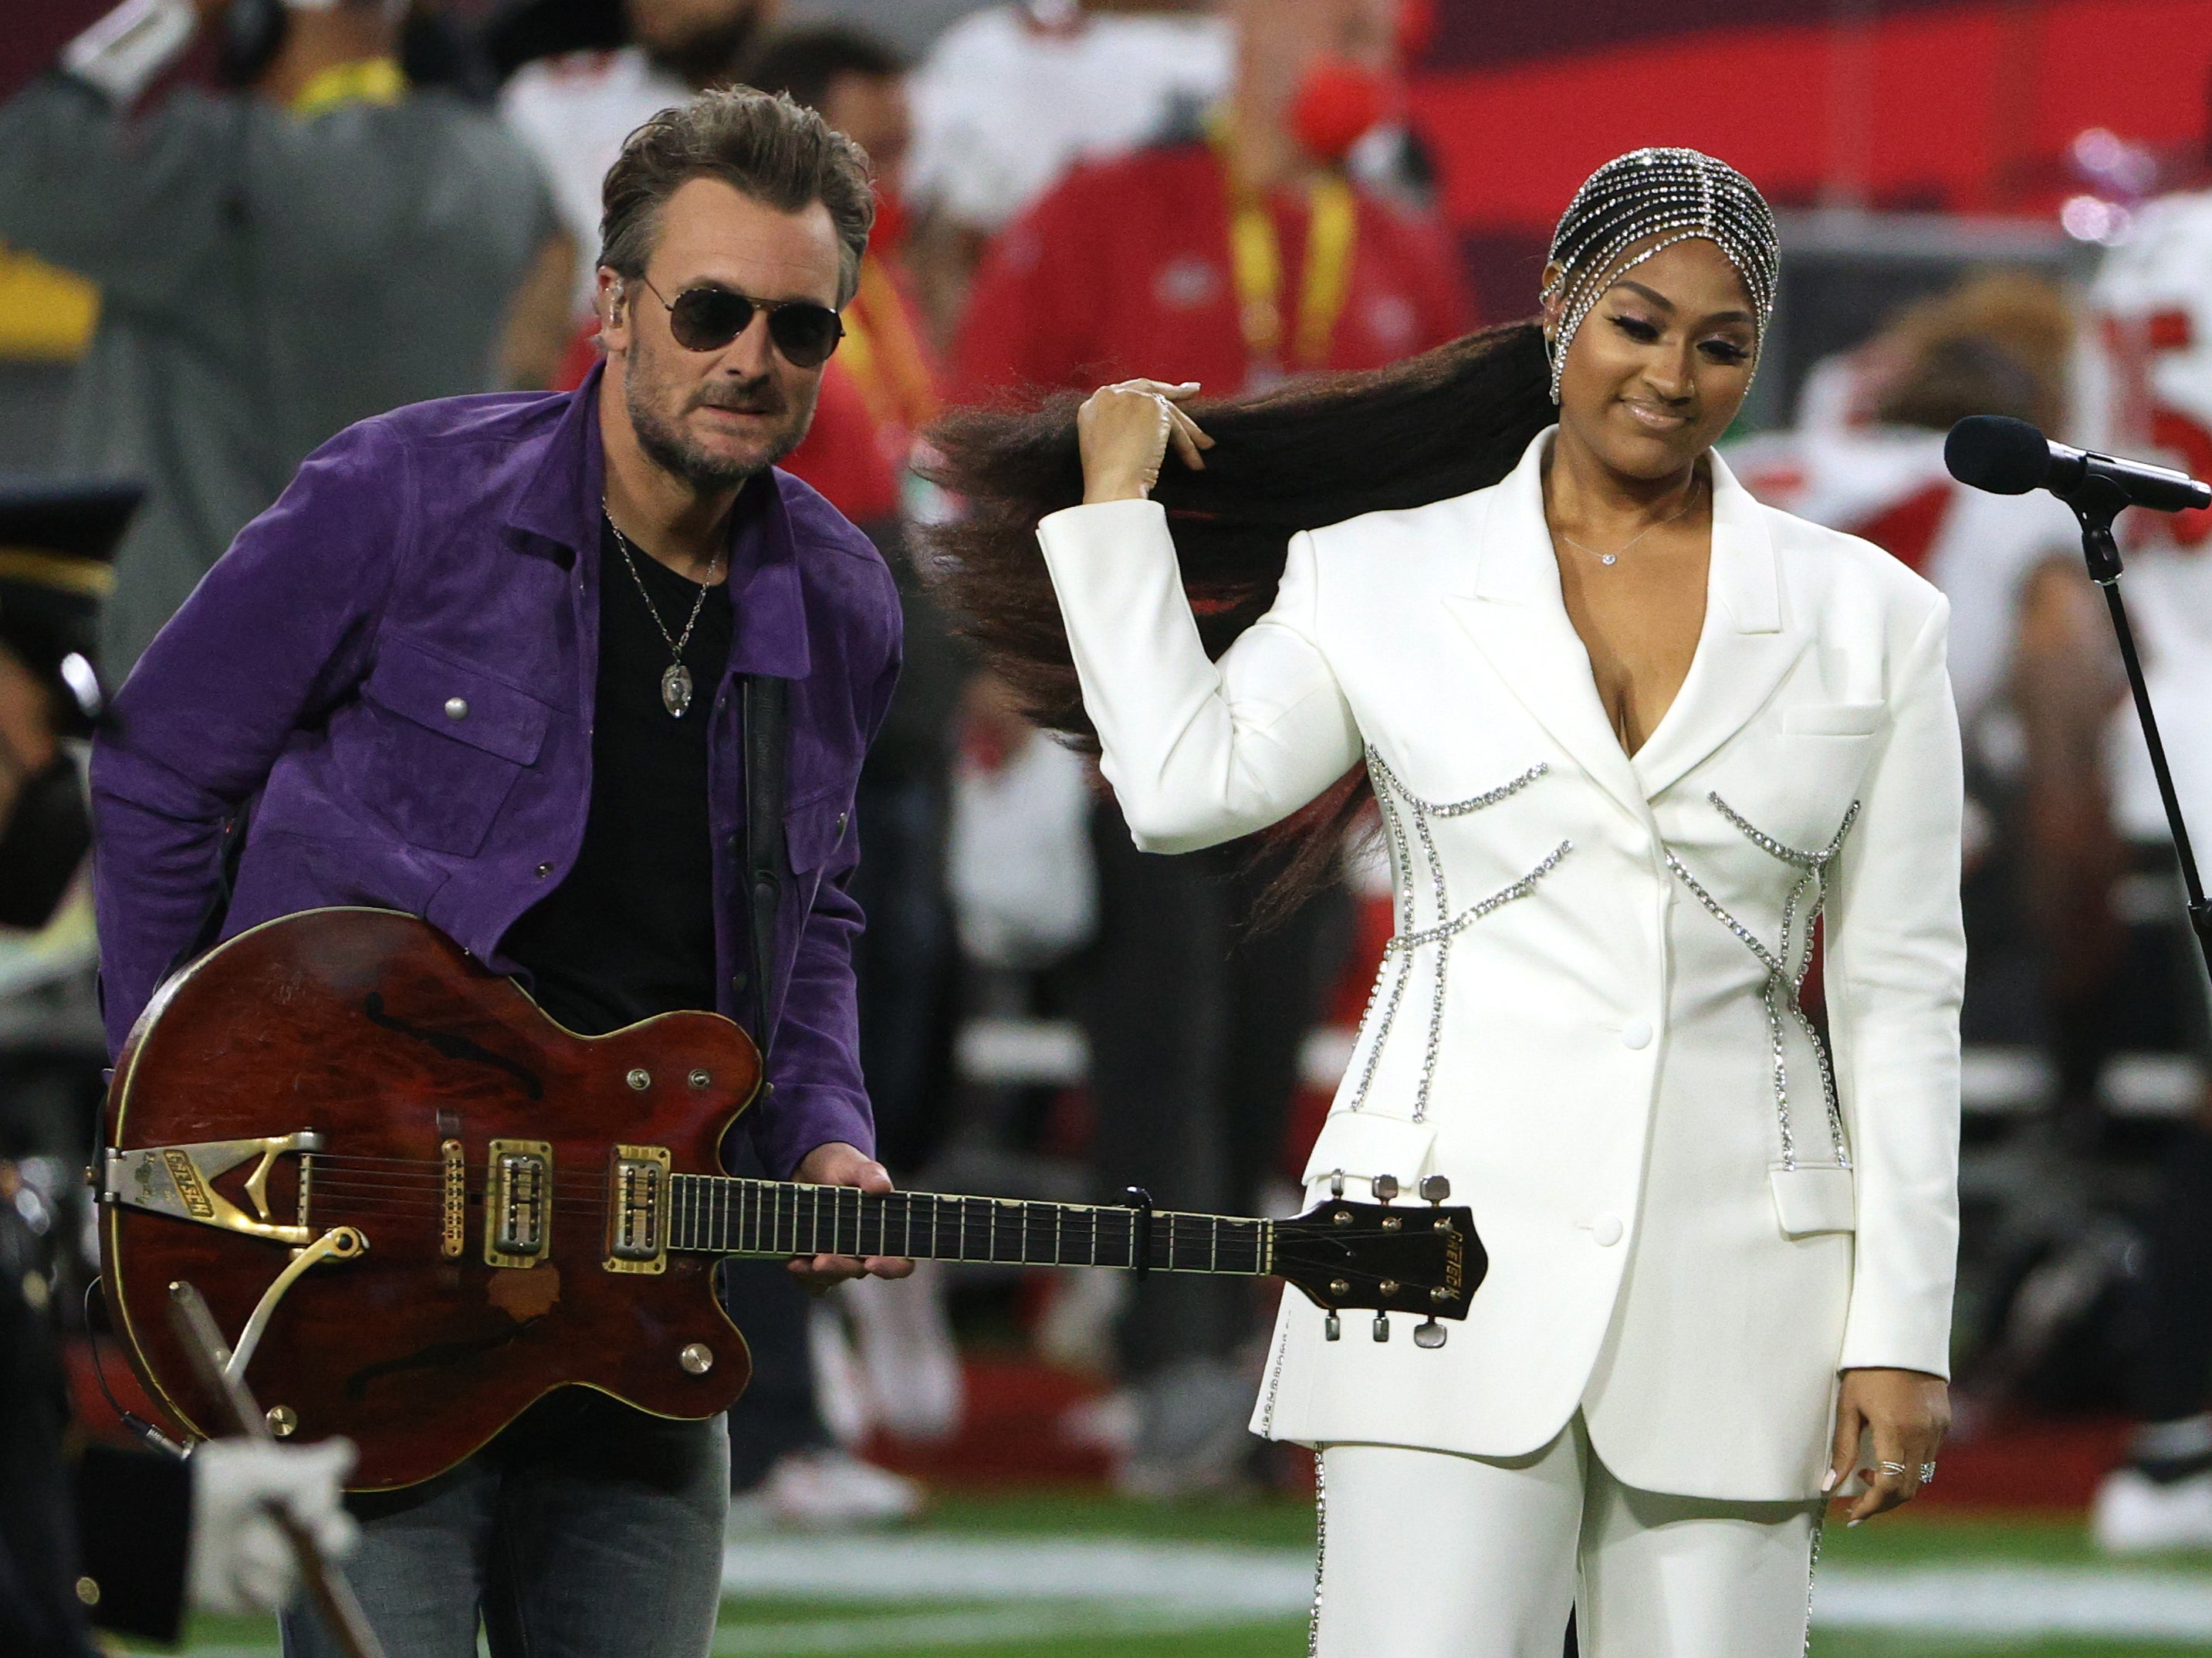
(585, 682)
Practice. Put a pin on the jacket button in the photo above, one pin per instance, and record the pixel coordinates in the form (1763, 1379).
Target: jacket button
(841, 816)
(739, 981)
(456, 707)
(544, 870)
(1606, 1230)
(1637, 1033)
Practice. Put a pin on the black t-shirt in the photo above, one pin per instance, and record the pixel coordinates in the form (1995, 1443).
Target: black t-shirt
(630, 932)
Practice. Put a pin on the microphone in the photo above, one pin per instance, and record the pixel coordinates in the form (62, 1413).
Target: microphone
(2008, 457)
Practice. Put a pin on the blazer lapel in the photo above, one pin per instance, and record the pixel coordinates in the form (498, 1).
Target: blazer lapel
(1518, 620)
(1746, 649)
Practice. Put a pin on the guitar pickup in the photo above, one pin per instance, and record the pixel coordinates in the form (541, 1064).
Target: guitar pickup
(637, 1209)
(518, 1202)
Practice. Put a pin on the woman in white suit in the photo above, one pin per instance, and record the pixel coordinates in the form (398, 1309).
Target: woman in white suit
(1631, 732)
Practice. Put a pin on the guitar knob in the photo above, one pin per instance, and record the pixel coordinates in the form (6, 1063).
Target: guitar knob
(1435, 1188)
(1430, 1334)
(1385, 1187)
(1382, 1327)
(1332, 1328)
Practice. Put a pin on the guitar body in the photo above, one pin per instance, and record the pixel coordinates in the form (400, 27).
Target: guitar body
(372, 1032)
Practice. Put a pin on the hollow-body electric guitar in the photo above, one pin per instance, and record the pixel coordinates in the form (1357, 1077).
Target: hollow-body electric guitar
(415, 1204)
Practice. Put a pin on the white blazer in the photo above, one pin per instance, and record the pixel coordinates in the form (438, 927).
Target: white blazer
(1564, 1027)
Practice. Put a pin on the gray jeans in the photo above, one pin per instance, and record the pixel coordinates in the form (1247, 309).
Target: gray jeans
(586, 1530)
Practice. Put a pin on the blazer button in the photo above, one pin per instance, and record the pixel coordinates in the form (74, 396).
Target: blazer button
(1606, 1230)
(1637, 1033)
(544, 870)
(456, 707)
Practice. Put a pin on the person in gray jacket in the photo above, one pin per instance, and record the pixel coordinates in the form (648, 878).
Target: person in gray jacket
(319, 244)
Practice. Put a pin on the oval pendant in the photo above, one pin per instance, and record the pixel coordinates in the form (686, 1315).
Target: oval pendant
(676, 689)
(1610, 558)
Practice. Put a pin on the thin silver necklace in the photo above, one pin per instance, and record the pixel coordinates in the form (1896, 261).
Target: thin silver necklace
(675, 678)
(1614, 556)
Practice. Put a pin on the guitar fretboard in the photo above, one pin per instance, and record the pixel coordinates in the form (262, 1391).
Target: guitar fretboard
(722, 1215)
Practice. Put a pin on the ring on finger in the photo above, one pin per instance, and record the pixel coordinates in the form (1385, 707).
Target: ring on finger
(1927, 1473)
(1896, 1469)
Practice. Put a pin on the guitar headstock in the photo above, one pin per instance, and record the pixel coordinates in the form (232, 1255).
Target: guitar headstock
(1401, 1258)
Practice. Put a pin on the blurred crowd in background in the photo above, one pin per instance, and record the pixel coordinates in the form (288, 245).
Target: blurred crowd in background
(306, 215)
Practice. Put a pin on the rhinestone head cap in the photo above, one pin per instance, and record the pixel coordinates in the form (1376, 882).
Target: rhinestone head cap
(1648, 200)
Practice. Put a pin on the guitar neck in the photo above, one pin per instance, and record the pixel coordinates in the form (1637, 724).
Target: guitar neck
(723, 1214)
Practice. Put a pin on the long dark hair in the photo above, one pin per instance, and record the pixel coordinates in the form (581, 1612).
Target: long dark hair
(1300, 456)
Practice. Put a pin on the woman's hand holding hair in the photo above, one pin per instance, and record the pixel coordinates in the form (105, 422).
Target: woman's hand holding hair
(1906, 1414)
(1123, 431)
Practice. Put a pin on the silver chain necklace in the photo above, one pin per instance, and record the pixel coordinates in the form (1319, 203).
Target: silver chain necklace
(1614, 556)
(675, 678)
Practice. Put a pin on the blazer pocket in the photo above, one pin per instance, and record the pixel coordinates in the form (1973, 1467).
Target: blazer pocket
(1363, 1146)
(1814, 1198)
(1833, 718)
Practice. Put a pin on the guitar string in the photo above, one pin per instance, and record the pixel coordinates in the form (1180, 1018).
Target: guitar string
(1187, 1234)
(1188, 1228)
(402, 1186)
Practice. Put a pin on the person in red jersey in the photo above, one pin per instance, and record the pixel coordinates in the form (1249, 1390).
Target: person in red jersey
(1233, 254)
(1237, 254)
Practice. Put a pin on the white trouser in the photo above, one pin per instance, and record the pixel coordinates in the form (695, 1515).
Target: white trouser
(1426, 1554)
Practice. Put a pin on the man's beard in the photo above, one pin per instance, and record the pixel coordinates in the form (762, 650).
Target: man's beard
(668, 447)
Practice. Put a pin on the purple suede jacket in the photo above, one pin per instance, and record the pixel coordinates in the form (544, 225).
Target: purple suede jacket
(450, 550)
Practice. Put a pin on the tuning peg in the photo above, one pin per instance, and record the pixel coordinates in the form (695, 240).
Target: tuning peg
(1332, 1328)
(1385, 1187)
(1336, 1183)
(1430, 1334)
(1435, 1188)
(1382, 1327)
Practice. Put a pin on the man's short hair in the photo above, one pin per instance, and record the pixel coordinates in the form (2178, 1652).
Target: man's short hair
(806, 61)
(761, 144)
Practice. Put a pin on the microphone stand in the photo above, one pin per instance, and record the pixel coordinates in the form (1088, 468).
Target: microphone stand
(2096, 502)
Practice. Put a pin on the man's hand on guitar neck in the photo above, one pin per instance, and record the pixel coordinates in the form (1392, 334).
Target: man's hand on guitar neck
(836, 1164)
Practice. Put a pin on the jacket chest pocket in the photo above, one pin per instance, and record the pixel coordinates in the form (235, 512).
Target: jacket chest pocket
(448, 741)
(1797, 784)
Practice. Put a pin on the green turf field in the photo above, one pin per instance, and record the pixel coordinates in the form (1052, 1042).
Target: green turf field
(1082, 1576)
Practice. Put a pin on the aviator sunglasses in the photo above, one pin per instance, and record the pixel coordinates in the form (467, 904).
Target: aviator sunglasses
(708, 318)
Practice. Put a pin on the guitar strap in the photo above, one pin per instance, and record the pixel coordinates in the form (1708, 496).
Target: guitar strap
(765, 711)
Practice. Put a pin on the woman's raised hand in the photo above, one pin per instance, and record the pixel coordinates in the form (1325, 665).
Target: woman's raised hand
(1124, 430)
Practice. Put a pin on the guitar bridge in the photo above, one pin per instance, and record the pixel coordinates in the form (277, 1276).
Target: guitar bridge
(179, 1180)
(637, 1217)
(518, 1202)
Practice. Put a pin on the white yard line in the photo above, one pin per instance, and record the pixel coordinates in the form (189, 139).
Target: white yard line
(1010, 1589)
(1192, 1577)
(1185, 1583)
(2013, 1600)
